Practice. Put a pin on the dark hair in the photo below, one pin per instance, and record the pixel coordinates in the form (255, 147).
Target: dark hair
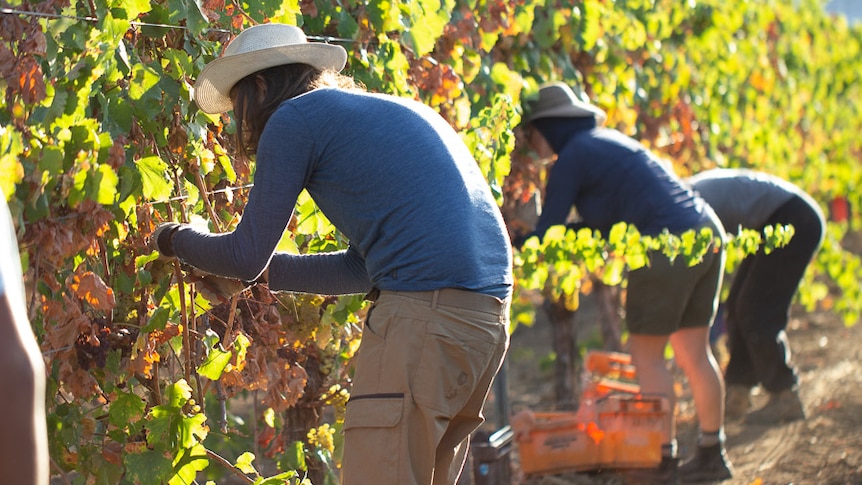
(257, 96)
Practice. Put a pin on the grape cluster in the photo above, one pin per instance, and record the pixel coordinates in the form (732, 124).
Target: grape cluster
(337, 397)
(322, 437)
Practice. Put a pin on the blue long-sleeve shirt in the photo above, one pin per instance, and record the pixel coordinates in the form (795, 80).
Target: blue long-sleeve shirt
(391, 175)
(609, 178)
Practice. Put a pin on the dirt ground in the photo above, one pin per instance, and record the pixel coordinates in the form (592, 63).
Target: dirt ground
(826, 448)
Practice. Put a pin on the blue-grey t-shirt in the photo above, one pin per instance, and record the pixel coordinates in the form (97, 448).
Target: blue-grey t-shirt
(745, 198)
(391, 175)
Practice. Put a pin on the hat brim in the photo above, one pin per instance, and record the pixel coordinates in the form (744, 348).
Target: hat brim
(569, 111)
(213, 85)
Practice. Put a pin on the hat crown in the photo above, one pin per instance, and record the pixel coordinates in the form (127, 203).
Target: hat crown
(265, 36)
(255, 49)
(555, 95)
(556, 99)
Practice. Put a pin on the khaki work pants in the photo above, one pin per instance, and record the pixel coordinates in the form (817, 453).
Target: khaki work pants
(423, 371)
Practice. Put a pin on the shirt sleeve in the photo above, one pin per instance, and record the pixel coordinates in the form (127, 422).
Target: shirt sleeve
(335, 273)
(560, 195)
(284, 161)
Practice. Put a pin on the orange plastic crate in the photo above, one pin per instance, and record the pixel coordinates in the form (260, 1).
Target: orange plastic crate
(616, 365)
(629, 434)
(556, 442)
(635, 427)
(609, 372)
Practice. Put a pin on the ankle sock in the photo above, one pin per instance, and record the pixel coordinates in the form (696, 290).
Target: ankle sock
(669, 450)
(711, 438)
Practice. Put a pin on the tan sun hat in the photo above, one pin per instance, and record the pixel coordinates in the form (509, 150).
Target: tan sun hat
(557, 100)
(257, 48)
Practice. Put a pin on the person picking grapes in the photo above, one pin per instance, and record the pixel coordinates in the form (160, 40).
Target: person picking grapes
(427, 242)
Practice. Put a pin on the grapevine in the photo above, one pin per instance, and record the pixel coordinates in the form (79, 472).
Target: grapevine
(100, 141)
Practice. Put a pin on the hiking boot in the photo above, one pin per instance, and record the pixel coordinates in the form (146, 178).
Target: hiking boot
(710, 464)
(737, 401)
(664, 474)
(782, 407)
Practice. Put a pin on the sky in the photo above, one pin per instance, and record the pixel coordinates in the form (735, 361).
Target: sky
(851, 8)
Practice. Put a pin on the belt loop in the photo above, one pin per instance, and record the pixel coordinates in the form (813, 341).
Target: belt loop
(434, 299)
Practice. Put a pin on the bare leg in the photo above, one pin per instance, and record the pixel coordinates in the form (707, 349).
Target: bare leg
(693, 354)
(653, 375)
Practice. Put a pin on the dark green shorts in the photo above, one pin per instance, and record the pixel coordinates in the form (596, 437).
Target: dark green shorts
(665, 296)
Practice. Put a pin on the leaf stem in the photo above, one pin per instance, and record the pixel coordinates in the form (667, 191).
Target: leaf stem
(223, 462)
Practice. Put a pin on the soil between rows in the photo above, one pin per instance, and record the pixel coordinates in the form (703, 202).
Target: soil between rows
(825, 449)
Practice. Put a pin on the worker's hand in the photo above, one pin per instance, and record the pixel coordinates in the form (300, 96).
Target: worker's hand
(161, 239)
(216, 289)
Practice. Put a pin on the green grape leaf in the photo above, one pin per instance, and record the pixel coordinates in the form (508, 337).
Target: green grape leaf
(188, 463)
(156, 185)
(178, 393)
(126, 408)
(158, 319)
(294, 457)
(144, 78)
(160, 425)
(244, 463)
(427, 21)
(384, 15)
(193, 430)
(102, 184)
(152, 467)
(215, 363)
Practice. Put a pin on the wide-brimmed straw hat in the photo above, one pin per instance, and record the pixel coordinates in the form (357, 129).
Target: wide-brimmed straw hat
(258, 48)
(557, 100)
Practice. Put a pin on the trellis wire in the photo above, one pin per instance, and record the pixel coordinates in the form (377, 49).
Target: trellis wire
(26, 13)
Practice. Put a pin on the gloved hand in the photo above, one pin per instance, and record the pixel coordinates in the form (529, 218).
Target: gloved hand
(216, 289)
(161, 239)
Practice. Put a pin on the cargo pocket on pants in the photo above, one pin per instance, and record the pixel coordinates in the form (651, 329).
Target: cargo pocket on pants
(372, 439)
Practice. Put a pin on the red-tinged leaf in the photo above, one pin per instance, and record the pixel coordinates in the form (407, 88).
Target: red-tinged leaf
(28, 80)
(7, 61)
(211, 9)
(35, 43)
(287, 385)
(90, 288)
(135, 447)
(88, 427)
(117, 153)
(94, 220)
(177, 137)
(112, 452)
(56, 240)
(147, 348)
(170, 331)
(309, 8)
(12, 27)
(69, 458)
(143, 360)
(265, 437)
(68, 321)
(234, 379)
(78, 382)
